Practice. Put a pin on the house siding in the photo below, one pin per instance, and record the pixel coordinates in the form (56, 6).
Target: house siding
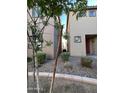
(81, 27)
(49, 35)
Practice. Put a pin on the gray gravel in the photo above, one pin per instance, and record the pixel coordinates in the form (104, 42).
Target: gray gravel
(62, 86)
(76, 70)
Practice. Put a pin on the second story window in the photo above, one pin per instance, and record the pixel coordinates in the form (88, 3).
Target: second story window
(35, 12)
(92, 13)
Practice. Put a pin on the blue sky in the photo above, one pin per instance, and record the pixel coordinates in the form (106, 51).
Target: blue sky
(64, 17)
(92, 2)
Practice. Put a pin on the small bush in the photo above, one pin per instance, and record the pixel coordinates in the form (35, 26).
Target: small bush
(41, 57)
(29, 59)
(65, 56)
(66, 36)
(87, 62)
(68, 65)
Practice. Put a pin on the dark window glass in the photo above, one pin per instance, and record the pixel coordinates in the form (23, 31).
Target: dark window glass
(92, 13)
(35, 12)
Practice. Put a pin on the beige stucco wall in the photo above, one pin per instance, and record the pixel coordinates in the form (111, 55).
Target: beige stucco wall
(48, 35)
(29, 52)
(81, 27)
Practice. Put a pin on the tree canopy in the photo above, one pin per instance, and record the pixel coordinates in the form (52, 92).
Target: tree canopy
(57, 7)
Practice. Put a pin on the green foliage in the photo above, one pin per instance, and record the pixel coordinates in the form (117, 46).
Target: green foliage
(48, 43)
(41, 57)
(56, 25)
(65, 56)
(66, 36)
(29, 59)
(30, 4)
(57, 7)
(87, 62)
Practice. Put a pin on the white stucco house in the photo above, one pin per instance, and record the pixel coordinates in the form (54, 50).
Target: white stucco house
(83, 32)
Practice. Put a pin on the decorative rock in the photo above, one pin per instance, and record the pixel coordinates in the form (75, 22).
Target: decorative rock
(68, 65)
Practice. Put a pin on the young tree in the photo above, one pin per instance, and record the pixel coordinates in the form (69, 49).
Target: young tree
(47, 9)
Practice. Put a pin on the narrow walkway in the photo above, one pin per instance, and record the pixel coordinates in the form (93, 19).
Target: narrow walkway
(68, 77)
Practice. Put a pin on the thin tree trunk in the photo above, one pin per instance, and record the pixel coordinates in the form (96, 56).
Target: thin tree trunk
(27, 78)
(37, 75)
(56, 59)
(36, 65)
(33, 70)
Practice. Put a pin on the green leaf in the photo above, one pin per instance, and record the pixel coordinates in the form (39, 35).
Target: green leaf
(48, 43)
(30, 4)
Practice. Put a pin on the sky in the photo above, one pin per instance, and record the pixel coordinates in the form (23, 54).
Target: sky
(64, 17)
(92, 2)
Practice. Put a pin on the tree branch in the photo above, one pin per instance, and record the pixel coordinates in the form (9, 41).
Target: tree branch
(31, 41)
(45, 25)
(30, 16)
(57, 53)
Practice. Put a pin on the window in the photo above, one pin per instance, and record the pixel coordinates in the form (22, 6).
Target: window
(92, 13)
(35, 12)
(82, 14)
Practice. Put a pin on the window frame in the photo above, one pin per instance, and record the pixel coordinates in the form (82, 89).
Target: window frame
(93, 15)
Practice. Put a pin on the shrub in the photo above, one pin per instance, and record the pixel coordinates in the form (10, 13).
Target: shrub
(68, 65)
(29, 59)
(41, 57)
(65, 56)
(87, 62)
(66, 36)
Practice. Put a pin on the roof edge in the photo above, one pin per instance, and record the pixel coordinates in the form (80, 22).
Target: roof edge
(91, 7)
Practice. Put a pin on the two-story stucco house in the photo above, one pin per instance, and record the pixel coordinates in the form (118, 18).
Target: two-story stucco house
(83, 32)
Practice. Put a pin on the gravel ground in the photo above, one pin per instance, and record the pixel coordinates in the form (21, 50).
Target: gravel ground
(62, 86)
(77, 69)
